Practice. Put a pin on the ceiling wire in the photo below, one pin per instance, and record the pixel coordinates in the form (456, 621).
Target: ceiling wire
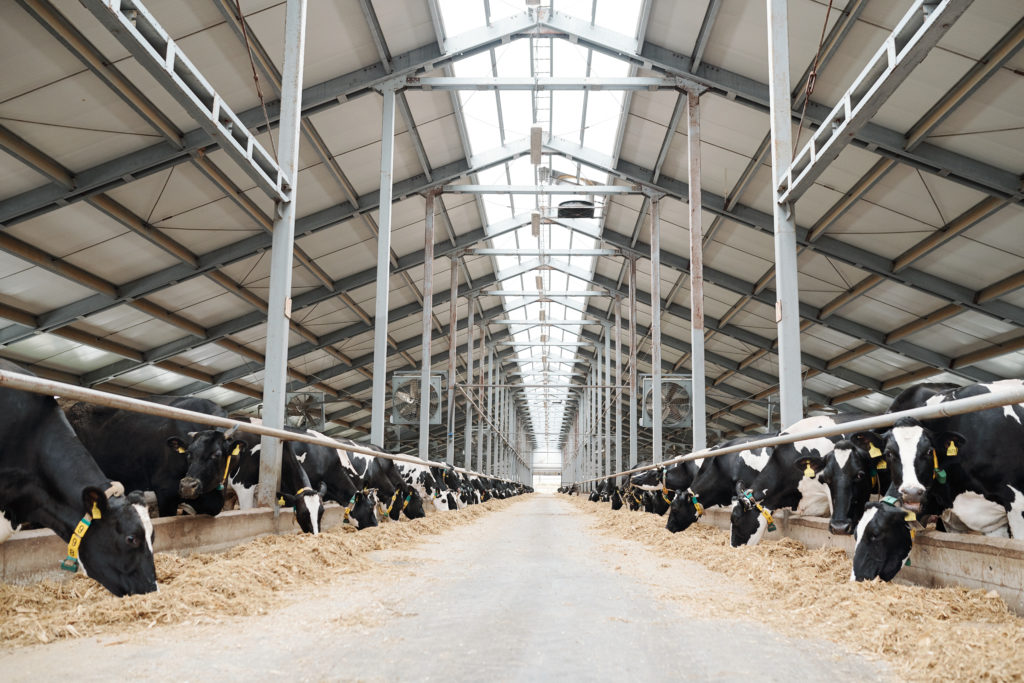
(812, 77)
(255, 76)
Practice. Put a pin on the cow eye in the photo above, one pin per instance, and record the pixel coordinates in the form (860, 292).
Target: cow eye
(859, 476)
(132, 541)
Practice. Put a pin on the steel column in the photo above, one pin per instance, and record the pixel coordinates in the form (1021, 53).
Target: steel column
(428, 314)
(279, 301)
(453, 302)
(634, 424)
(787, 307)
(480, 400)
(656, 327)
(380, 323)
(608, 400)
(700, 434)
(467, 458)
(618, 382)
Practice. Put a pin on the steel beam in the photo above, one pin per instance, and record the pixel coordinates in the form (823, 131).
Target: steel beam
(542, 83)
(699, 410)
(542, 189)
(909, 43)
(428, 312)
(153, 48)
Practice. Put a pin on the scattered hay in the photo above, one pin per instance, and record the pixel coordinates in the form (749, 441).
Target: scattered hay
(924, 633)
(247, 580)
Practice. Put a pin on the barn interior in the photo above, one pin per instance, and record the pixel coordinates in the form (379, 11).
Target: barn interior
(549, 142)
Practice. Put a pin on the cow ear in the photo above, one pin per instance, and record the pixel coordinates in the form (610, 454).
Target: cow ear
(870, 442)
(950, 443)
(323, 489)
(285, 499)
(94, 501)
(810, 465)
(177, 444)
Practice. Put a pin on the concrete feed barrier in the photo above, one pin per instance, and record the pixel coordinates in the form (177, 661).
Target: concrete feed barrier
(937, 559)
(35, 555)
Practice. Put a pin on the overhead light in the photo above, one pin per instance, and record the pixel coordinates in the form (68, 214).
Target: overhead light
(543, 314)
(535, 137)
(540, 282)
(535, 223)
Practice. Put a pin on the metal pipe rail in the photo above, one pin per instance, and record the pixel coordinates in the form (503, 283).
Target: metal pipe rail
(958, 407)
(39, 385)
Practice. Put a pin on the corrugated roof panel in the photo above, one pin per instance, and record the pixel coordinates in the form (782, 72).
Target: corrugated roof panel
(959, 260)
(17, 177)
(153, 380)
(406, 25)
(987, 126)
(50, 350)
(36, 290)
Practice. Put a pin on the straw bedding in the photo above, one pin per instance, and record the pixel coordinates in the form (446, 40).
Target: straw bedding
(248, 579)
(924, 633)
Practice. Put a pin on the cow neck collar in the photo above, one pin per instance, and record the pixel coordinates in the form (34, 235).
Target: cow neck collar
(909, 517)
(749, 495)
(696, 503)
(71, 562)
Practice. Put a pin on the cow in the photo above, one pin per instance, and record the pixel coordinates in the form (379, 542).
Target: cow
(884, 539)
(244, 474)
(782, 482)
(48, 478)
(179, 460)
(328, 471)
(972, 464)
(423, 478)
(852, 476)
(381, 474)
(714, 485)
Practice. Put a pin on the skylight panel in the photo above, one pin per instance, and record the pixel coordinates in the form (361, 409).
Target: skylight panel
(459, 16)
(622, 16)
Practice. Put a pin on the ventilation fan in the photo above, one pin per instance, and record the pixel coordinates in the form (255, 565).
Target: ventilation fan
(675, 402)
(305, 410)
(405, 398)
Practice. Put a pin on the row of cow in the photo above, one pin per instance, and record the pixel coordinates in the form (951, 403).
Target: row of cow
(964, 473)
(92, 474)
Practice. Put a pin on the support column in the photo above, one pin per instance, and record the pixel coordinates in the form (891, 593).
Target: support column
(634, 424)
(787, 307)
(480, 402)
(467, 460)
(607, 400)
(279, 304)
(380, 323)
(700, 431)
(428, 313)
(656, 446)
(618, 383)
(453, 302)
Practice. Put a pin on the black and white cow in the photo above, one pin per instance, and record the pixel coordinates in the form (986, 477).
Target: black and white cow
(244, 475)
(782, 483)
(714, 484)
(852, 476)
(328, 470)
(180, 461)
(48, 478)
(394, 495)
(971, 464)
(427, 482)
(884, 539)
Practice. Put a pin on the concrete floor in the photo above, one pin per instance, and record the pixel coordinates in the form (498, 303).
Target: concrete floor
(529, 593)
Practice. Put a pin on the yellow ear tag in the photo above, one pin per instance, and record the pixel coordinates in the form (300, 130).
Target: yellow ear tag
(881, 465)
(180, 449)
(874, 452)
(280, 502)
(238, 449)
(910, 517)
(96, 511)
(952, 449)
(809, 472)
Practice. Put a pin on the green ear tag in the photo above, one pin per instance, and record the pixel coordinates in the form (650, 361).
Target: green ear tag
(940, 476)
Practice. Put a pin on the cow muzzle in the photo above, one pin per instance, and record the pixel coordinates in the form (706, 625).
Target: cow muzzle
(841, 527)
(189, 487)
(911, 496)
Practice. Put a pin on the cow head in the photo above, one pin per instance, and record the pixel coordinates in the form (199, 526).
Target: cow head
(884, 540)
(749, 519)
(916, 457)
(360, 510)
(616, 499)
(684, 511)
(207, 454)
(414, 508)
(850, 475)
(308, 506)
(117, 549)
